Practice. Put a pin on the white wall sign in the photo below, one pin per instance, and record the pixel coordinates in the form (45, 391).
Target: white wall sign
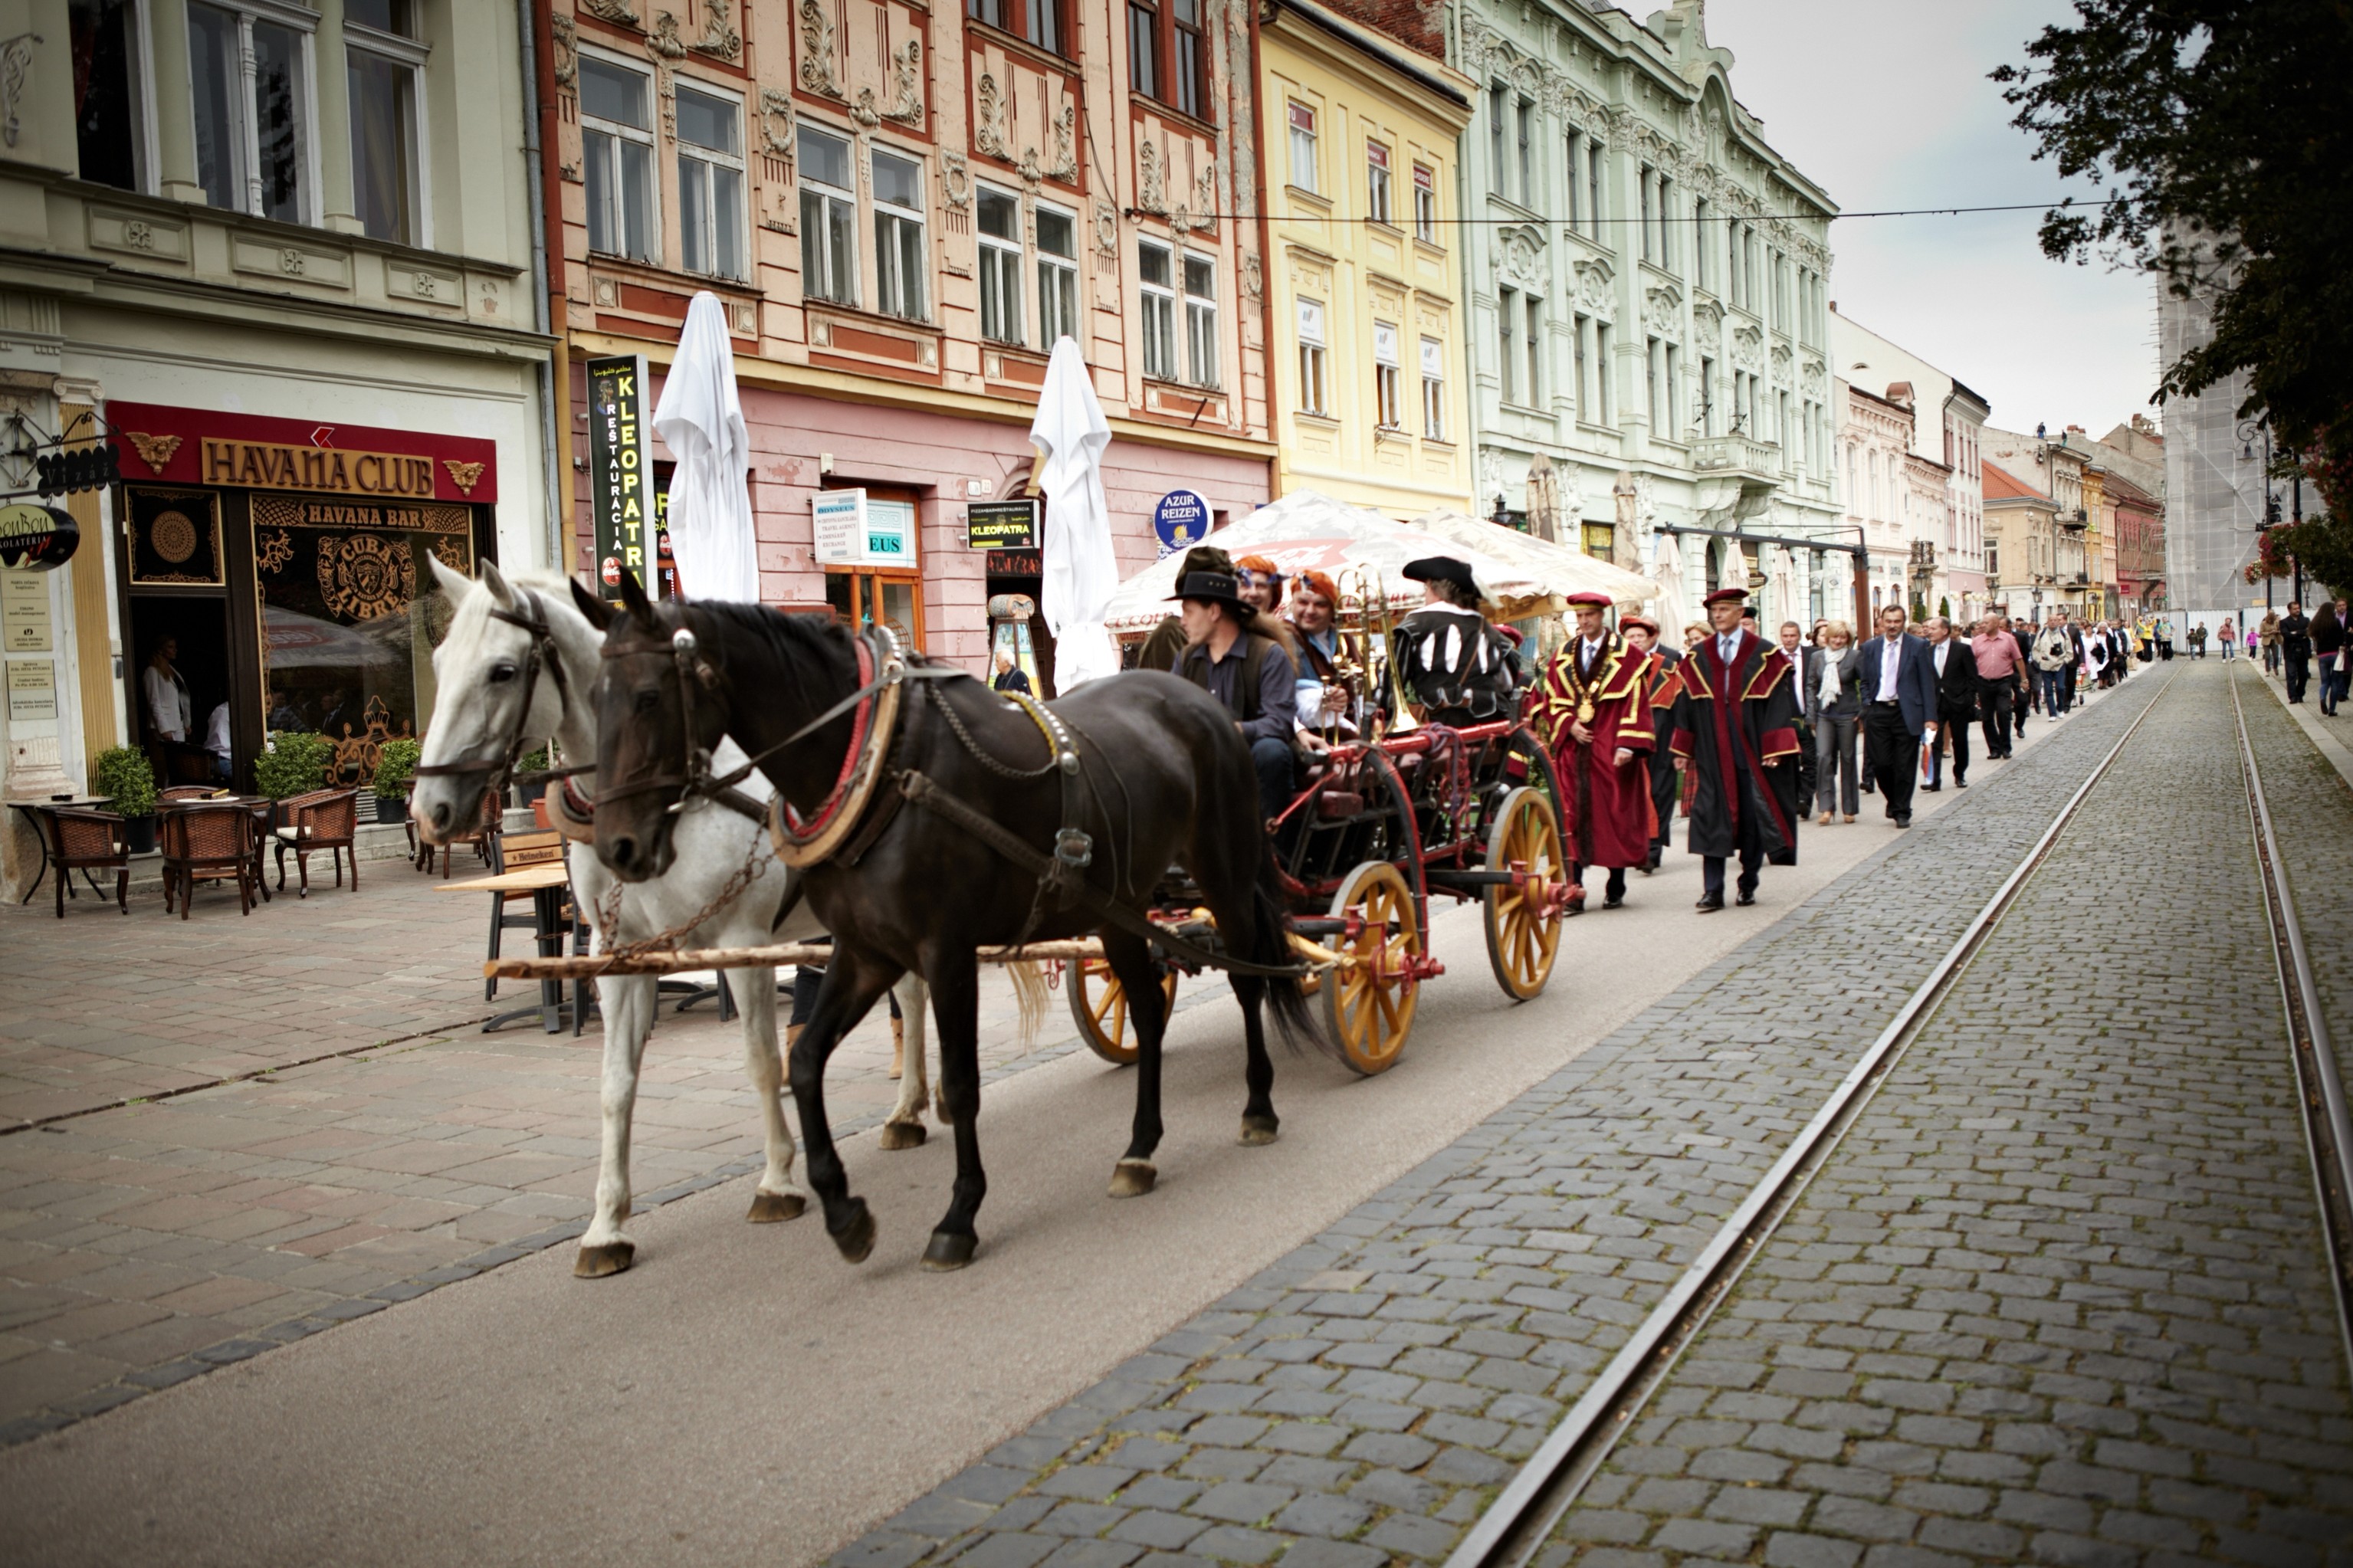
(851, 530)
(25, 610)
(32, 689)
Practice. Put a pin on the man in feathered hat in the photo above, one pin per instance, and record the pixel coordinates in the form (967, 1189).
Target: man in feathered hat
(1736, 720)
(1593, 711)
(1451, 659)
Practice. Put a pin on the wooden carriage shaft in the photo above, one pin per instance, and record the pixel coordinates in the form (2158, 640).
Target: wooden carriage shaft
(589, 966)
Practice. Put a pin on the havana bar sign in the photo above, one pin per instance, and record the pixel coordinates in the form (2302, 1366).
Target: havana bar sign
(267, 466)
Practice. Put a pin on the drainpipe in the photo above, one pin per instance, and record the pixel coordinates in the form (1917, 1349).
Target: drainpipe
(1259, 15)
(554, 371)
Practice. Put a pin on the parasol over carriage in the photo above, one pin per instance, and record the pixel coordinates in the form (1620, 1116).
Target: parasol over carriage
(1389, 820)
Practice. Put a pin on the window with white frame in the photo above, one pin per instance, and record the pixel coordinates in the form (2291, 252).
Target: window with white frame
(1597, 157)
(1200, 319)
(1527, 147)
(1702, 247)
(1574, 162)
(106, 57)
(1654, 376)
(1425, 204)
(616, 141)
(1507, 332)
(1156, 271)
(1533, 340)
(1058, 277)
(1311, 368)
(829, 217)
(1000, 266)
(1386, 414)
(1649, 185)
(1433, 390)
(1303, 147)
(1377, 183)
(385, 69)
(250, 77)
(901, 266)
(710, 184)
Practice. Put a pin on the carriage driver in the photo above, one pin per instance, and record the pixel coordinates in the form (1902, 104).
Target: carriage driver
(1232, 653)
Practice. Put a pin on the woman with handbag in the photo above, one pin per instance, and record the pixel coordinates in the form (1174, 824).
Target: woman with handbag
(1834, 707)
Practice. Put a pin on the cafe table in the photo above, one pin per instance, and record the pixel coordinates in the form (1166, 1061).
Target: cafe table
(547, 884)
(39, 810)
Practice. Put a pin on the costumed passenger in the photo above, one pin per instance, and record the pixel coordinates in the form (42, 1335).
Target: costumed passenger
(1458, 668)
(1641, 635)
(1231, 653)
(1736, 729)
(1165, 643)
(1592, 711)
(1324, 699)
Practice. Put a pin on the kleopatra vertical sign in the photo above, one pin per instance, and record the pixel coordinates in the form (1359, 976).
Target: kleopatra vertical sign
(621, 473)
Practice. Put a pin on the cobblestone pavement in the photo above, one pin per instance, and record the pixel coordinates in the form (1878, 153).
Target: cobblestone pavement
(2059, 1295)
(143, 1245)
(1360, 1400)
(2311, 812)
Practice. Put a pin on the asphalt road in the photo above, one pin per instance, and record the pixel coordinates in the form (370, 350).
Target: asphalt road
(742, 1394)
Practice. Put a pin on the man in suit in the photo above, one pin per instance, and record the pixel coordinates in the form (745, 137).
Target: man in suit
(1957, 687)
(1899, 709)
(1641, 635)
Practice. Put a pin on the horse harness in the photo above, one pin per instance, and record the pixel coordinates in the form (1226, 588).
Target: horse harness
(855, 813)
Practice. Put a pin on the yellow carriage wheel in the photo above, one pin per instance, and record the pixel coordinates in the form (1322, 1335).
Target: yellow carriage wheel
(1522, 923)
(1099, 1007)
(1369, 1000)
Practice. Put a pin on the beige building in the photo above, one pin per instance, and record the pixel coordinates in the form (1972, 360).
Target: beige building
(2053, 469)
(281, 258)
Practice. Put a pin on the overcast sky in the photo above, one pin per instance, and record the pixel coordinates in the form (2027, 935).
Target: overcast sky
(1884, 103)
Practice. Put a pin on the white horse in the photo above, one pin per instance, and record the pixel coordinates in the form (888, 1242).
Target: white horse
(492, 703)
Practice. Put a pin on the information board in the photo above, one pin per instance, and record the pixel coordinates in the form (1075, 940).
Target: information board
(1001, 525)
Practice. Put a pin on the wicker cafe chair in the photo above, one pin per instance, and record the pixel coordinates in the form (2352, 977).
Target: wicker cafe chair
(85, 841)
(484, 838)
(326, 819)
(209, 843)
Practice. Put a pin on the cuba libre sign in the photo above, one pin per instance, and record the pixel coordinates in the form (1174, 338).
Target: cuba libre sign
(266, 466)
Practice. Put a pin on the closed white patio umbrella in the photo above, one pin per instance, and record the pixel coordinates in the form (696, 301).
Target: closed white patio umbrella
(1080, 568)
(701, 419)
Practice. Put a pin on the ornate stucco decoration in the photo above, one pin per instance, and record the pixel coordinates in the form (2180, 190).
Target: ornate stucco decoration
(720, 39)
(1106, 230)
(1662, 312)
(1815, 380)
(776, 123)
(1749, 346)
(566, 36)
(955, 181)
(1152, 181)
(620, 13)
(988, 128)
(1781, 363)
(820, 71)
(664, 39)
(1594, 277)
(1205, 197)
(1707, 320)
(662, 46)
(1253, 277)
(1520, 256)
(1065, 166)
(906, 84)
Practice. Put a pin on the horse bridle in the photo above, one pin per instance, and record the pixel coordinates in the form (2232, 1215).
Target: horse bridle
(497, 772)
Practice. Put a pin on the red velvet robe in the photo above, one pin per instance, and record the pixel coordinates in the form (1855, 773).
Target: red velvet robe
(1606, 815)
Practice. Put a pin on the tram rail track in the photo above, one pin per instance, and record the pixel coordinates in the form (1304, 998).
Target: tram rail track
(1514, 1527)
(2320, 1088)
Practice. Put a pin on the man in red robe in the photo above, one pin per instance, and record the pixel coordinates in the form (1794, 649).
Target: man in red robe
(1593, 711)
(1736, 719)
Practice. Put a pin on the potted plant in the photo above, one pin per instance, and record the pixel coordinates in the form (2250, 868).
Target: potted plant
(396, 768)
(295, 763)
(532, 762)
(123, 775)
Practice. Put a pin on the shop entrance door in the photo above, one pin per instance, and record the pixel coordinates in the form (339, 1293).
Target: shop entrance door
(894, 597)
(187, 635)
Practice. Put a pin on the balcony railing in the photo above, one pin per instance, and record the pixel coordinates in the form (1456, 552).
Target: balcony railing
(1738, 455)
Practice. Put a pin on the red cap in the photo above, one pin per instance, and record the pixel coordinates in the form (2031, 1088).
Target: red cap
(1727, 596)
(1645, 622)
(1591, 596)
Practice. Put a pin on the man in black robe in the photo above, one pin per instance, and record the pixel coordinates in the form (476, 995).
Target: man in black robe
(1735, 715)
(1641, 635)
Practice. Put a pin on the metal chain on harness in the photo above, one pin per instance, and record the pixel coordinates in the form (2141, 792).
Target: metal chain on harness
(1054, 753)
(608, 915)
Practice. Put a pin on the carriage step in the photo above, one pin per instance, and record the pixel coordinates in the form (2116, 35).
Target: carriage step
(1336, 804)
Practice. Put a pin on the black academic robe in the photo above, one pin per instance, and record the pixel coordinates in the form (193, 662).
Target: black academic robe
(1736, 730)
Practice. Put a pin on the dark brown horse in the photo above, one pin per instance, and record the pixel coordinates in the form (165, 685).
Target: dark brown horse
(1161, 778)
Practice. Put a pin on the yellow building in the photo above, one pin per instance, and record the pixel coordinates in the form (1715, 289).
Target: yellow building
(1365, 258)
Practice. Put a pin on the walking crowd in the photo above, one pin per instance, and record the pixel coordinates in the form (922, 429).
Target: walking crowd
(1747, 738)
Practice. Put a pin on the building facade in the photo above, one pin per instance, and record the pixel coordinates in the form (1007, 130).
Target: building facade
(2023, 545)
(2216, 490)
(2053, 468)
(2133, 454)
(1874, 440)
(1362, 196)
(1649, 310)
(902, 208)
(1948, 432)
(281, 258)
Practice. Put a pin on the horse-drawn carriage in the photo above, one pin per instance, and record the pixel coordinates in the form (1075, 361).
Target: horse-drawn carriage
(1466, 814)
